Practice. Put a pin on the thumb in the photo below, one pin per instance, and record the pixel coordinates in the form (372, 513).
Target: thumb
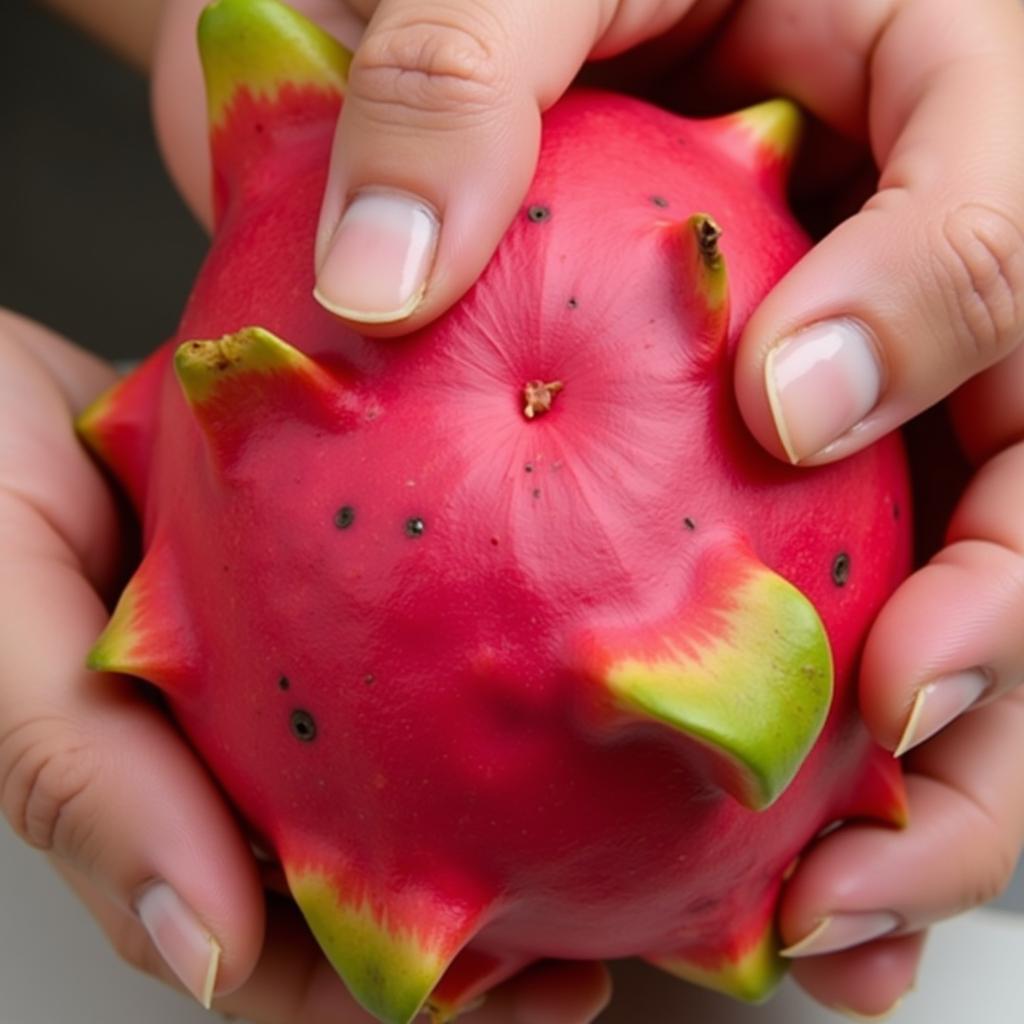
(96, 776)
(923, 288)
(436, 146)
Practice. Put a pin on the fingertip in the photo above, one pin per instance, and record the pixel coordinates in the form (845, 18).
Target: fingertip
(755, 399)
(399, 249)
(189, 871)
(549, 992)
(379, 258)
(808, 393)
(867, 982)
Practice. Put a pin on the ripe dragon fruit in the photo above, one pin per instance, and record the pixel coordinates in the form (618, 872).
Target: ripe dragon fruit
(506, 637)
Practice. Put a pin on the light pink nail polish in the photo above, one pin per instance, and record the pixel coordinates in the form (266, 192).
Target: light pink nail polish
(821, 382)
(380, 257)
(938, 703)
(186, 946)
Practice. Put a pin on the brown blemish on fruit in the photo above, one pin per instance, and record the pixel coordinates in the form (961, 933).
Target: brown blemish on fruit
(708, 233)
(539, 396)
(218, 355)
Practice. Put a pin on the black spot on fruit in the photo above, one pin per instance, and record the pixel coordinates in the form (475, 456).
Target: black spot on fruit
(841, 569)
(573, 302)
(369, 679)
(689, 524)
(660, 201)
(528, 467)
(415, 527)
(344, 517)
(538, 214)
(303, 726)
(283, 683)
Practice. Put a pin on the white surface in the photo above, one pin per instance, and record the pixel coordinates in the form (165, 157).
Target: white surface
(56, 968)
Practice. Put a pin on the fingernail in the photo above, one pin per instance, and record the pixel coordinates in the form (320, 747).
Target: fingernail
(379, 259)
(187, 947)
(841, 931)
(937, 703)
(821, 382)
(856, 1015)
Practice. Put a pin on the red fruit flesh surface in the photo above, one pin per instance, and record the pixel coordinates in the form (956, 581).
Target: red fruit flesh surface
(434, 632)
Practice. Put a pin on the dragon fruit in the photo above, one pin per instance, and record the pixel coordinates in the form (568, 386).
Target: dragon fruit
(506, 638)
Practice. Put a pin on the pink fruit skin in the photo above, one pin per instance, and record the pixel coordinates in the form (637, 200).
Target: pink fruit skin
(438, 639)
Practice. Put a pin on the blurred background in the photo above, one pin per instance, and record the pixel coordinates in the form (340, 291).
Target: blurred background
(94, 241)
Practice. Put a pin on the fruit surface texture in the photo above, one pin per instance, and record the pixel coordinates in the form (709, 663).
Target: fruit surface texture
(505, 637)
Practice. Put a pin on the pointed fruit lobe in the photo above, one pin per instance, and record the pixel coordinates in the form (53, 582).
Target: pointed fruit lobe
(390, 949)
(270, 73)
(261, 47)
(148, 635)
(762, 138)
(251, 378)
(749, 969)
(743, 668)
(118, 427)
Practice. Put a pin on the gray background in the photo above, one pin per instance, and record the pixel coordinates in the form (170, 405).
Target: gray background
(93, 240)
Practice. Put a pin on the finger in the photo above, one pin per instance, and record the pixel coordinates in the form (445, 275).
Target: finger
(93, 774)
(90, 771)
(987, 411)
(438, 141)
(179, 95)
(924, 287)
(966, 798)
(292, 982)
(867, 981)
(566, 992)
(45, 382)
(441, 124)
(964, 611)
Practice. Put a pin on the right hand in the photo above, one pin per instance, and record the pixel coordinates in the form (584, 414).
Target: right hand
(95, 775)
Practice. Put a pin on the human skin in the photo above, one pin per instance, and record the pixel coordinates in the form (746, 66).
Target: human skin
(928, 87)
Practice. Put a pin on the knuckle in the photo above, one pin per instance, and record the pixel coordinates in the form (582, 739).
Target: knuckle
(45, 770)
(981, 256)
(426, 69)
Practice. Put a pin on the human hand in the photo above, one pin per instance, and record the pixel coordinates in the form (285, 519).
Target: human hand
(903, 302)
(96, 776)
(947, 641)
